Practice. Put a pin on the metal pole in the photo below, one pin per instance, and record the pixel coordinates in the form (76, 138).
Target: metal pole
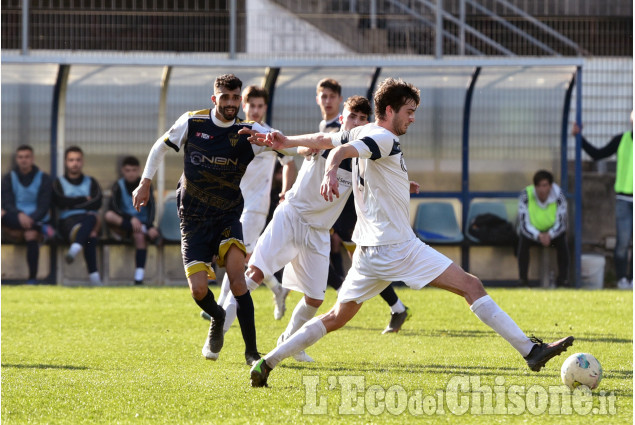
(462, 27)
(165, 79)
(269, 84)
(438, 37)
(25, 27)
(465, 173)
(232, 29)
(564, 160)
(577, 240)
(373, 14)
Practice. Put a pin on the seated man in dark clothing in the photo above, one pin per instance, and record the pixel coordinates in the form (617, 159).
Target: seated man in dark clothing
(124, 220)
(26, 199)
(78, 199)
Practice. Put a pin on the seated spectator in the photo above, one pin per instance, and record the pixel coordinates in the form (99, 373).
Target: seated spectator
(26, 199)
(124, 220)
(78, 199)
(542, 215)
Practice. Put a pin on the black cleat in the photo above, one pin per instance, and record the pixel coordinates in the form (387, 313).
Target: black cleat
(252, 358)
(397, 320)
(541, 353)
(215, 337)
(260, 373)
(138, 282)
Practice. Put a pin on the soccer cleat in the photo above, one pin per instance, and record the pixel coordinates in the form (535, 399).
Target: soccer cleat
(138, 282)
(281, 303)
(302, 356)
(397, 320)
(252, 358)
(624, 283)
(69, 258)
(259, 373)
(541, 353)
(205, 316)
(215, 338)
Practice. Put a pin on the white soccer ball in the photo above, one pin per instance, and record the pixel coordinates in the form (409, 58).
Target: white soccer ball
(581, 369)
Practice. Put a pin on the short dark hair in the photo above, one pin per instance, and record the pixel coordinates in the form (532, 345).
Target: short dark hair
(394, 93)
(24, 148)
(229, 81)
(252, 92)
(542, 175)
(73, 149)
(329, 83)
(358, 104)
(130, 160)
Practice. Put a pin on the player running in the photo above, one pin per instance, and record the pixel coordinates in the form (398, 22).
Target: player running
(387, 248)
(210, 204)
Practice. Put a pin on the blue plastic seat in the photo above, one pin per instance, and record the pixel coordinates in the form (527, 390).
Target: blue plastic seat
(169, 225)
(435, 222)
(478, 208)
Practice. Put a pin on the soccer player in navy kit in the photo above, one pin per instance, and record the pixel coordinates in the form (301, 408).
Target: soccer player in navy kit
(210, 204)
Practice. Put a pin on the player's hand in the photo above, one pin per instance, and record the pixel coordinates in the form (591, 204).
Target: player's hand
(414, 187)
(545, 239)
(25, 221)
(576, 129)
(141, 194)
(136, 224)
(277, 140)
(258, 139)
(330, 185)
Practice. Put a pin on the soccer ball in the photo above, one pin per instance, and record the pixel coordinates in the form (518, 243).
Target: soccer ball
(581, 369)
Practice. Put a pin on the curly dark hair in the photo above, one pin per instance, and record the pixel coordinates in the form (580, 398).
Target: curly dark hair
(394, 93)
(229, 81)
(358, 104)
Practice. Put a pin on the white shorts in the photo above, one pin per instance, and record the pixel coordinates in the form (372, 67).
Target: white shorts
(302, 250)
(253, 223)
(375, 267)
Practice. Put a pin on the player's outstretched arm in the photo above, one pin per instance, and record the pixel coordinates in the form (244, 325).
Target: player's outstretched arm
(141, 195)
(330, 186)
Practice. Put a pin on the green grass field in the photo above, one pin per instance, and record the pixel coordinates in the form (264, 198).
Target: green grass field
(132, 356)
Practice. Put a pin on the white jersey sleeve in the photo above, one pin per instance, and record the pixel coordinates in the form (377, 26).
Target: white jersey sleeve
(177, 134)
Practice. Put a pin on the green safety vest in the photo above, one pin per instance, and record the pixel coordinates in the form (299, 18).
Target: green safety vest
(624, 172)
(542, 219)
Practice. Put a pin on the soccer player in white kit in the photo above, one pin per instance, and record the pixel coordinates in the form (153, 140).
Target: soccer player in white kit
(387, 248)
(256, 187)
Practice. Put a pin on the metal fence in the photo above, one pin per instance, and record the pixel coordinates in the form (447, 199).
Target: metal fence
(340, 27)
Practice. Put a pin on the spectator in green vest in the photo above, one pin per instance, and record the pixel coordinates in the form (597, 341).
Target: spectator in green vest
(542, 216)
(622, 146)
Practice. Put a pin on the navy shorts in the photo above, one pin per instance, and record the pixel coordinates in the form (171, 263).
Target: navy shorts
(201, 240)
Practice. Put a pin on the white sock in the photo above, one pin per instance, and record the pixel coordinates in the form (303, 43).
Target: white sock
(251, 284)
(491, 314)
(94, 278)
(230, 306)
(224, 290)
(139, 273)
(306, 336)
(272, 283)
(301, 314)
(397, 307)
(74, 249)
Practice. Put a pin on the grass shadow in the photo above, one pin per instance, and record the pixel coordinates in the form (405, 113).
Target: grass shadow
(43, 366)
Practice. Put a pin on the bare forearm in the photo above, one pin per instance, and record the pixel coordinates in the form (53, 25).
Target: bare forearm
(313, 141)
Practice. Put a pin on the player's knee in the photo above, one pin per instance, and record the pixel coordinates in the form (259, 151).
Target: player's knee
(198, 291)
(31, 235)
(111, 217)
(473, 288)
(255, 274)
(313, 302)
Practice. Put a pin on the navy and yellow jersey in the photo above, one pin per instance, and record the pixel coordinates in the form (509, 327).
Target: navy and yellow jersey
(214, 161)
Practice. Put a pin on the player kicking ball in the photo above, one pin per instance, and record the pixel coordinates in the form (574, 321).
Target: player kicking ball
(387, 248)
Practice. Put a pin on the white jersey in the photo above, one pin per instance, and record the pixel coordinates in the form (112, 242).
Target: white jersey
(381, 186)
(256, 183)
(305, 195)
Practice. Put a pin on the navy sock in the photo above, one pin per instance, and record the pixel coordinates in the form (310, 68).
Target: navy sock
(32, 257)
(126, 225)
(83, 234)
(334, 279)
(90, 255)
(209, 306)
(337, 263)
(389, 295)
(140, 258)
(245, 313)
